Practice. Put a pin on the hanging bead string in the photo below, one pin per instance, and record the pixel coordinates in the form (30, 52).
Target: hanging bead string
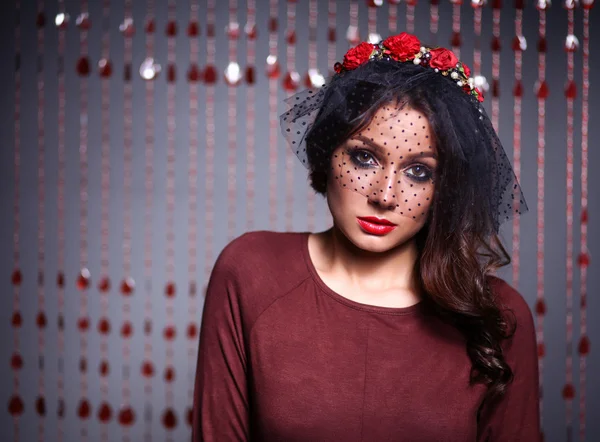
(584, 341)
(331, 59)
(455, 39)
(542, 95)
(477, 12)
(127, 286)
(83, 282)
(149, 71)
(40, 404)
(434, 19)
(15, 404)
(61, 22)
(410, 15)
(105, 70)
(250, 30)
(192, 330)
(393, 16)
(210, 79)
(313, 79)
(273, 73)
(290, 84)
(331, 36)
(374, 37)
(169, 417)
(519, 45)
(352, 34)
(570, 93)
(232, 77)
(496, 10)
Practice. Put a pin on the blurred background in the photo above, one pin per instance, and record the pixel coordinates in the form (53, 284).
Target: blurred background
(140, 136)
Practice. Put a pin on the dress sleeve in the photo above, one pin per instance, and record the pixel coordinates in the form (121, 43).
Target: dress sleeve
(515, 417)
(220, 405)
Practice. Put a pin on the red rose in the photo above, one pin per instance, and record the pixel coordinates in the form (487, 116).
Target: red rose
(403, 47)
(467, 70)
(479, 94)
(358, 55)
(442, 59)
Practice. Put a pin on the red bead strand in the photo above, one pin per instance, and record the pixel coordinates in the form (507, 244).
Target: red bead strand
(210, 148)
(410, 15)
(41, 144)
(149, 177)
(234, 78)
(584, 343)
(192, 210)
(569, 389)
(83, 281)
(251, 35)
(105, 409)
(393, 16)
(273, 74)
(434, 19)
(519, 46)
(61, 22)
(455, 39)
(290, 85)
(496, 14)
(540, 310)
(170, 289)
(15, 402)
(313, 79)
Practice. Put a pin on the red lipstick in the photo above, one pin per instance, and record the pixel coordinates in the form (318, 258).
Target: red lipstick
(375, 226)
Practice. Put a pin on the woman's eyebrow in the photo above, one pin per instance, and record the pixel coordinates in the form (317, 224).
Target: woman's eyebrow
(382, 150)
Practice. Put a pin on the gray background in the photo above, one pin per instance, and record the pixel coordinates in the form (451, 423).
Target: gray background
(555, 200)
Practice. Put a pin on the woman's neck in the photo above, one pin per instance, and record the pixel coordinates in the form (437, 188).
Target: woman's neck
(369, 271)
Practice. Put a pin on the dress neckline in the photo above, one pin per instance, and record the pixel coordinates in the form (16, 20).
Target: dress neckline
(410, 310)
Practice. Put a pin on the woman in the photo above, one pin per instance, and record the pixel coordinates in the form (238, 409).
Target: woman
(388, 326)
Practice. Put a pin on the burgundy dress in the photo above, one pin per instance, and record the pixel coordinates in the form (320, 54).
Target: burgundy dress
(283, 357)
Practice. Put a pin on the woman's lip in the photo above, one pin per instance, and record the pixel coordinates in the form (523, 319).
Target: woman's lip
(375, 220)
(375, 228)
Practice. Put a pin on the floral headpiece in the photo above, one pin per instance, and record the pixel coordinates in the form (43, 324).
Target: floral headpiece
(406, 47)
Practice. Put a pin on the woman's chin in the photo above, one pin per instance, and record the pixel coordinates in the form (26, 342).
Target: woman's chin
(375, 243)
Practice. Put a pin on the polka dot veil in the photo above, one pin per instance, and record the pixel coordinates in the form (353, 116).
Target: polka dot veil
(398, 133)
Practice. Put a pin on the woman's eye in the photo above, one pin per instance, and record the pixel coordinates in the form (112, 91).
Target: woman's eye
(363, 158)
(419, 172)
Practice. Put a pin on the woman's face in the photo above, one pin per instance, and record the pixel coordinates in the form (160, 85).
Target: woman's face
(384, 171)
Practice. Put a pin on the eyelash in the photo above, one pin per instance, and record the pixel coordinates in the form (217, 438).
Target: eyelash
(355, 152)
(427, 173)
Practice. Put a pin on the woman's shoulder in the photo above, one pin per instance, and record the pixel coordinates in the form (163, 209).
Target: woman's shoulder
(260, 266)
(263, 242)
(258, 250)
(507, 295)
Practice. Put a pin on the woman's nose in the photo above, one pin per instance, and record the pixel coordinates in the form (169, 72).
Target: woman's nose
(384, 190)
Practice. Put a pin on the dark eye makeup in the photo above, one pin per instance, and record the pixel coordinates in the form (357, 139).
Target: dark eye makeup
(361, 157)
(365, 159)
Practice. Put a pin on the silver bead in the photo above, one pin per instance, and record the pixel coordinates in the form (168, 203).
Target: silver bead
(481, 83)
(149, 69)
(542, 5)
(233, 73)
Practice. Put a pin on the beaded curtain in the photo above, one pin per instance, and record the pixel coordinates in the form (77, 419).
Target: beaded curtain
(141, 136)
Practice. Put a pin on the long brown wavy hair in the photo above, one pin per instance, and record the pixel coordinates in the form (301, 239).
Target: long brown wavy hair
(459, 247)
